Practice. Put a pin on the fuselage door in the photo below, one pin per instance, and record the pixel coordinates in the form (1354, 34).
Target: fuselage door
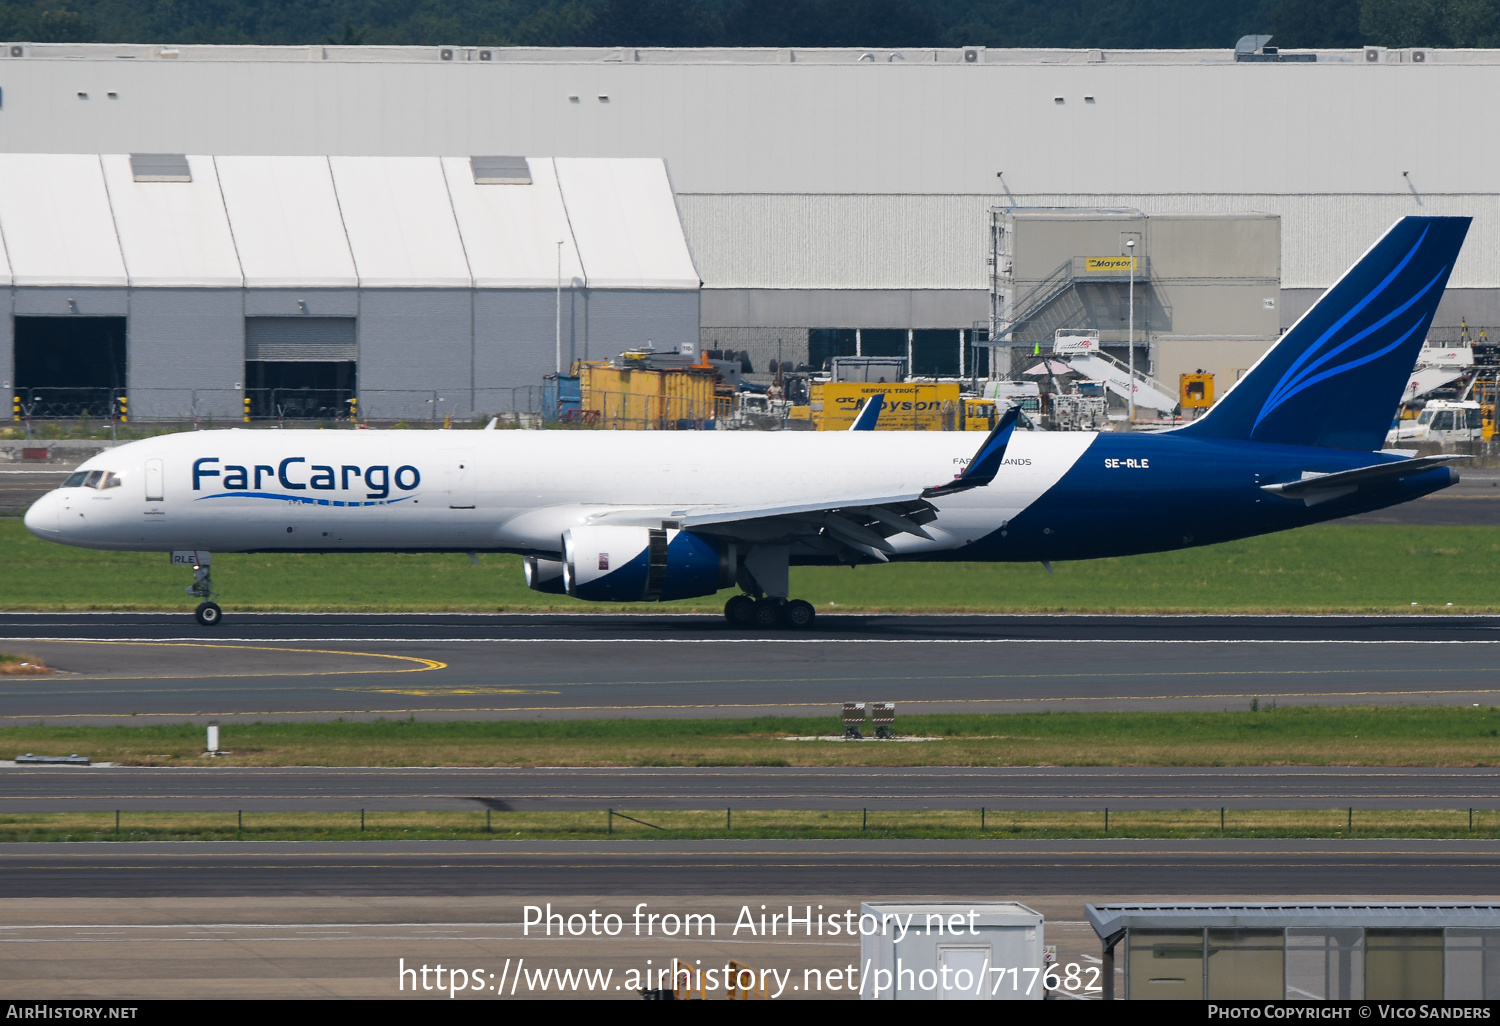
(155, 481)
(459, 478)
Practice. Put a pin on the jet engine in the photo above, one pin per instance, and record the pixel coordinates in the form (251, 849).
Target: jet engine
(545, 575)
(641, 564)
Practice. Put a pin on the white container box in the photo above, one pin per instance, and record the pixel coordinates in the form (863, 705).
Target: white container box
(951, 951)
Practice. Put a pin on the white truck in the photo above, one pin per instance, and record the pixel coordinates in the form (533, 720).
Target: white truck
(1442, 421)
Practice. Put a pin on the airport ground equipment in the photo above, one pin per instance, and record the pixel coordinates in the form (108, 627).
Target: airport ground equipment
(645, 390)
(986, 951)
(1195, 391)
(883, 715)
(1300, 952)
(642, 516)
(1441, 422)
(909, 405)
(854, 720)
(1117, 377)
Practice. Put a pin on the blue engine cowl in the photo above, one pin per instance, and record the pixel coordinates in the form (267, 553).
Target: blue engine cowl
(642, 564)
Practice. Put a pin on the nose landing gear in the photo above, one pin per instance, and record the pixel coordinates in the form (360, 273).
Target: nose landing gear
(208, 612)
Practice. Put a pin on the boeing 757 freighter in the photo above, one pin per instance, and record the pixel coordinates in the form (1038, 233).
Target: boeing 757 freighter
(641, 517)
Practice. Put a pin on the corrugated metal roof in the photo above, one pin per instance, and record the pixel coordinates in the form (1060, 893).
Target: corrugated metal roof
(174, 234)
(625, 221)
(341, 222)
(510, 235)
(286, 222)
(1108, 920)
(55, 216)
(399, 219)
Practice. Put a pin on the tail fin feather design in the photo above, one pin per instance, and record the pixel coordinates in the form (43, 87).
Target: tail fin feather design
(1336, 377)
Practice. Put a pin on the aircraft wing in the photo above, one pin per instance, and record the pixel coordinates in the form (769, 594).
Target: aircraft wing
(844, 526)
(853, 524)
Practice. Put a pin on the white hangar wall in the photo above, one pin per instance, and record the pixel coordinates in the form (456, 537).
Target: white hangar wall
(454, 293)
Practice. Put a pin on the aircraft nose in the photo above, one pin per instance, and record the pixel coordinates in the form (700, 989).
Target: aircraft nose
(41, 518)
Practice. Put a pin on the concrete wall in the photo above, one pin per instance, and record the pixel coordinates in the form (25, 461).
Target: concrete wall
(1199, 275)
(1225, 359)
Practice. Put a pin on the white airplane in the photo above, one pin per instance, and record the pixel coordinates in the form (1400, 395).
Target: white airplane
(645, 516)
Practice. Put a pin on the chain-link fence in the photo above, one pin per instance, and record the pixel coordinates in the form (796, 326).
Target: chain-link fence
(66, 403)
(517, 404)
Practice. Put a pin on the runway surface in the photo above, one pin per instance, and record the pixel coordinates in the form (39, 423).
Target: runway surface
(941, 787)
(141, 668)
(752, 868)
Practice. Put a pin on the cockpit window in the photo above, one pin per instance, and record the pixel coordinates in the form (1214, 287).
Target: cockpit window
(92, 481)
(76, 480)
(111, 480)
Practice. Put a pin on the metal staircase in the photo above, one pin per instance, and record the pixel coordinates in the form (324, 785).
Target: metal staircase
(1054, 302)
(1149, 392)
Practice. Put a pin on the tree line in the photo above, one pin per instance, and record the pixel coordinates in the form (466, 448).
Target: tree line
(1114, 24)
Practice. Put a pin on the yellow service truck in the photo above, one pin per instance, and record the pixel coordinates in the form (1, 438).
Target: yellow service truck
(909, 406)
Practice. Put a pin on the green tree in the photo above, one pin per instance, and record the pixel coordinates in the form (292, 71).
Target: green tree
(1316, 23)
(63, 26)
(1461, 23)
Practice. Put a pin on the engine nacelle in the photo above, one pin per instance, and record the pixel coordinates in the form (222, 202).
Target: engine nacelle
(545, 575)
(642, 564)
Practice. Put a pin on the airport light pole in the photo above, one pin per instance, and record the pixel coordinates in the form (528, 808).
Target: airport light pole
(1130, 331)
(559, 306)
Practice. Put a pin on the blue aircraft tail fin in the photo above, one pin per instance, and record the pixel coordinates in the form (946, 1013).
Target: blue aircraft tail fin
(1336, 378)
(869, 413)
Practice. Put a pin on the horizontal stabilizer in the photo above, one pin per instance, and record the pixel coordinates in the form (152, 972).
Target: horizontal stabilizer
(1315, 488)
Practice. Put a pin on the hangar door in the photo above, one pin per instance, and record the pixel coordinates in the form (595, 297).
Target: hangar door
(69, 366)
(300, 367)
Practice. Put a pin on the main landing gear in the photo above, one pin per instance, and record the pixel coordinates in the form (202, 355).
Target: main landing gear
(766, 613)
(208, 612)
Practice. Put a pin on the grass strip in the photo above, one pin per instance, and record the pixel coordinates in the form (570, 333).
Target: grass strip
(1265, 736)
(779, 824)
(1359, 568)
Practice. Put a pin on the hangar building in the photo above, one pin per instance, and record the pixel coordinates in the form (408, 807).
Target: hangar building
(431, 286)
(824, 195)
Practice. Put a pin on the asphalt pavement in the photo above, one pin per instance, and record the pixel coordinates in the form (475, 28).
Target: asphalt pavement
(138, 668)
(74, 789)
(1103, 868)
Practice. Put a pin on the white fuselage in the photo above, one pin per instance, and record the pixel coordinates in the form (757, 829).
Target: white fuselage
(517, 491)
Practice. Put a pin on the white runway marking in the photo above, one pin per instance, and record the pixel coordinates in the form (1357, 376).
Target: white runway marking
(218, 638)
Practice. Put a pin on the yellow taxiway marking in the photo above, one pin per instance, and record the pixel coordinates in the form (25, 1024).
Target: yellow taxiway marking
(422, 664)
